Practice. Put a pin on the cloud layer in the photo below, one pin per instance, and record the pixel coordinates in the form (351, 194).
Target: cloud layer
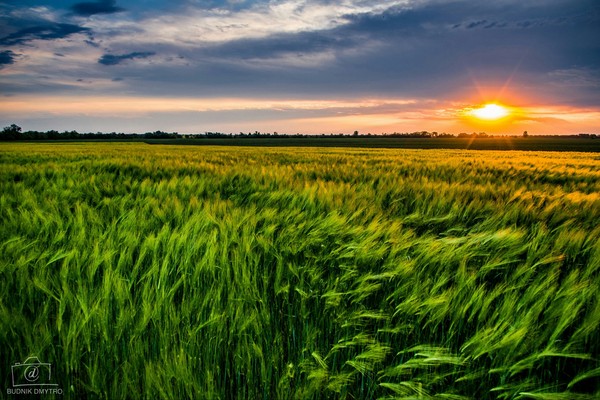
(7, 57)
(455, 52)
(114, 59)
(49, 31)
(87, 9)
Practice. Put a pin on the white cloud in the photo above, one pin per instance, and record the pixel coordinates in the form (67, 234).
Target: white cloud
(35, 13)
(198, 27)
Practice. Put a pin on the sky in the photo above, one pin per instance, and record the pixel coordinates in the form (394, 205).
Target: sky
(294, 66)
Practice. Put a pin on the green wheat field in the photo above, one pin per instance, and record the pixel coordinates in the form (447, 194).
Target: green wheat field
(172, 272)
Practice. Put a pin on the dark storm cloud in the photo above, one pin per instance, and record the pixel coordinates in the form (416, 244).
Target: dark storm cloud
(87, 9)
(415, 52)
(7, 57)
(476, 24)
(113, 59)
(281, 44)
(422, 40)
(91, 43)
(48, 31)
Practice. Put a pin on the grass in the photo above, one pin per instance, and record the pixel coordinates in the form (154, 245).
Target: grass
(304, 273)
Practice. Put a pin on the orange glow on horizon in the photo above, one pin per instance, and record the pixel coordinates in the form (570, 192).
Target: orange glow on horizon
(509, 115)
(115, 106)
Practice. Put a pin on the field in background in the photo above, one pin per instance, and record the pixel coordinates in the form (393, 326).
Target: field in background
(531, 143)
(175, 272)
(553, 143)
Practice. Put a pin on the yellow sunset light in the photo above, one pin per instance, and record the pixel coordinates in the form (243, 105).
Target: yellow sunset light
(490, 112)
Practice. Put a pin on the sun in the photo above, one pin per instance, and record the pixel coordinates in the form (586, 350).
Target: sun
(489, 112)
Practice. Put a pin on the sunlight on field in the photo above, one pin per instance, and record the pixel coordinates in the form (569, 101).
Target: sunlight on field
(145, 271)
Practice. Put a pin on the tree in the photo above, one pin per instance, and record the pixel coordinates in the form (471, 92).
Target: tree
(12, 132)
(525, 134)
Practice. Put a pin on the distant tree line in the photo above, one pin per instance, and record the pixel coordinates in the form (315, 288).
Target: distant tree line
(15, 133)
